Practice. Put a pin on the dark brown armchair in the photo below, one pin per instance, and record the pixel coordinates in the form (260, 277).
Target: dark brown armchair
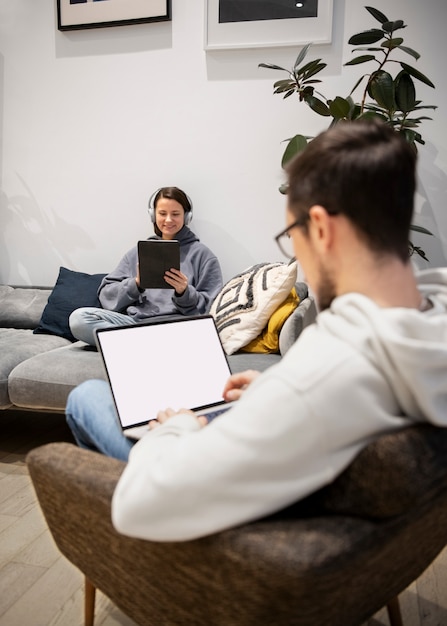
(334, 559)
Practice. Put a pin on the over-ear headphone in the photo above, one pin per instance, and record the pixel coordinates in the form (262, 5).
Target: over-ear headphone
(151, 207)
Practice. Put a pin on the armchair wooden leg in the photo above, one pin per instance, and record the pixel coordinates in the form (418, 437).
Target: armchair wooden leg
(89, 603)
(394, 614)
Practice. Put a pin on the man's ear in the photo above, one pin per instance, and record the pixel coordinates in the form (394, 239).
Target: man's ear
(321, 227)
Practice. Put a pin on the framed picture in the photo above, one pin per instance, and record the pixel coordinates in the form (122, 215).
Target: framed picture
(266, 23)
(79, 14)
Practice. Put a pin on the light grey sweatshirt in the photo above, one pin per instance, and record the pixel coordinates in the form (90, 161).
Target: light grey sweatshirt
(359, 371)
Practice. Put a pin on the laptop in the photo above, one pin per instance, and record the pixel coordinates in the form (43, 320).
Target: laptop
(178, 363)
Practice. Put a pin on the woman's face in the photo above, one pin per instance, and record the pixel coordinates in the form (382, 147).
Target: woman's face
(169, 217)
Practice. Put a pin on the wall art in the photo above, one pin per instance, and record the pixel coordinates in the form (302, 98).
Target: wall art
(80, 14)
(266, 23)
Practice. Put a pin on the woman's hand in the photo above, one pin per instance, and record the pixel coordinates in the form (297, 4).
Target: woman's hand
(237, 384)
(176, 279)
(137, 278)
(164, 416)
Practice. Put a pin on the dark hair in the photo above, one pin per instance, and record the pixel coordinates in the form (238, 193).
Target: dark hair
(172, 193)
(364, 170)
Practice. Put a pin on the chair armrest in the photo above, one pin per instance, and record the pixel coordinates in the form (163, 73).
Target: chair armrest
(89, 474)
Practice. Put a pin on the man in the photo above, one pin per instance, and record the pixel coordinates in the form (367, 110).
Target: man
(375, 361)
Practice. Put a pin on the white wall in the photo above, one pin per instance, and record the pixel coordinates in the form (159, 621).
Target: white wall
(93, 121)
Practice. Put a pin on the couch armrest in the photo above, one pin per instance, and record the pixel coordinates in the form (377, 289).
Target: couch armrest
(303, 316)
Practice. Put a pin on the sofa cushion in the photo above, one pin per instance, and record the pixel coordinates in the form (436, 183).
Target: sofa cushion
(20, 307)
(71, 291)
(246, 302)
(267, 342)
(44, 381)
(18, 345)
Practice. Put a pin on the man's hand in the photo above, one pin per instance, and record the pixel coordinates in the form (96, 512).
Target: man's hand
(163, 416)
(237, 384)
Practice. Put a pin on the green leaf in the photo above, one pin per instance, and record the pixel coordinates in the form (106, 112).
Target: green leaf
(312, 69)
(417, 249)
(271, 66)
(284, 83)
(318, 106)
(366, 37)
(426, 106)
(358, 83)
(301, 55)
(289, 93)
(420, 229)
(339, 108)
(372, 115)
(410, 51)
(380, 17)
(405, 93)
(295, 145)
(412, 136)
(416, 74)
(392, 43)
(381, 88)
(390, 27)
(361, 59)
(367, 49)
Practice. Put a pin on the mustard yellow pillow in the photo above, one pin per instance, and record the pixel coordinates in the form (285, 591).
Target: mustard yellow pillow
(245, 304)
(267, 341)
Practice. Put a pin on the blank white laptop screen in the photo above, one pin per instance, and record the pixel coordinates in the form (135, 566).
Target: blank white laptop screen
(177, 364)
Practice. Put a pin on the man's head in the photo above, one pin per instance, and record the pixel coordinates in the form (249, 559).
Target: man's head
(359, 175)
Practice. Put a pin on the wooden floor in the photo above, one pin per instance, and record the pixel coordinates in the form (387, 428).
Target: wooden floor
(39, 587)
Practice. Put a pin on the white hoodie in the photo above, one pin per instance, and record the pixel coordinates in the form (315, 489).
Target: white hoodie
(359, 372)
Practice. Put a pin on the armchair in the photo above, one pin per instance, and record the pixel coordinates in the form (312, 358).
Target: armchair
(334, 558)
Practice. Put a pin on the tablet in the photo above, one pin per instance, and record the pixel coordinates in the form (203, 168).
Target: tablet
(155, 257)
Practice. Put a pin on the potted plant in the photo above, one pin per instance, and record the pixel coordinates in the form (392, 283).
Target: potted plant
(391, 98)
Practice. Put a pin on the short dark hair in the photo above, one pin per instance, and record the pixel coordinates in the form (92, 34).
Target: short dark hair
(364, 170)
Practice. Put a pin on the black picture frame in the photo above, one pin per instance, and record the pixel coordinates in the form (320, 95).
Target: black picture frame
(82, 14)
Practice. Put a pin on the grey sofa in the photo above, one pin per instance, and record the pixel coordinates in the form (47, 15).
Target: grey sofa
(37, 371)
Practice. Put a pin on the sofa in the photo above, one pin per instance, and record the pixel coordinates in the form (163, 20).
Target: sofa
(40, 361)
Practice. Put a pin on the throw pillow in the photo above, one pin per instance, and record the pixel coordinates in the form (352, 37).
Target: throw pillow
(71, 291)
(267, 342)
(245, 304)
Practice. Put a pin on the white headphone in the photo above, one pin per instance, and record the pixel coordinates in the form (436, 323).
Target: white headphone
(151, 207)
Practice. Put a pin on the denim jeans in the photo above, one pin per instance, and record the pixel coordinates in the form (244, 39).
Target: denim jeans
(92, 418)
(84, 321)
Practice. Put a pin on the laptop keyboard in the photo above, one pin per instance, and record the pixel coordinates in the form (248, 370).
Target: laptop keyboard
(213, 414)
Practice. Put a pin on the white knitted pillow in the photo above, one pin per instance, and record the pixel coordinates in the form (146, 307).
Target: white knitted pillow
(243, 307)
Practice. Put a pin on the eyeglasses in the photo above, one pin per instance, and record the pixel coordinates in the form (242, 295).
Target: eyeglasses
(284, 241)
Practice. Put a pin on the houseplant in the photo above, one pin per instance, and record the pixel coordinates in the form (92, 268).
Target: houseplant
(382, 95)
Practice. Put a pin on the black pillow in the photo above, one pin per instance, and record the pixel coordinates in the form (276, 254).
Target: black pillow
(71, 291)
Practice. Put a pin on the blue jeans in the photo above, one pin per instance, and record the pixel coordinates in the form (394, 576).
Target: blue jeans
(92, 418)
(84, 321)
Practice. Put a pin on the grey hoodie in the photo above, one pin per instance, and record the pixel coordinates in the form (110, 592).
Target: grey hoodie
(118, 290)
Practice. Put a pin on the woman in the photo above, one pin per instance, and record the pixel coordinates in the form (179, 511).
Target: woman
(193, 287)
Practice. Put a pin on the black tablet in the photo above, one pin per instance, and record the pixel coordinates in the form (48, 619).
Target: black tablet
(155, 257)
